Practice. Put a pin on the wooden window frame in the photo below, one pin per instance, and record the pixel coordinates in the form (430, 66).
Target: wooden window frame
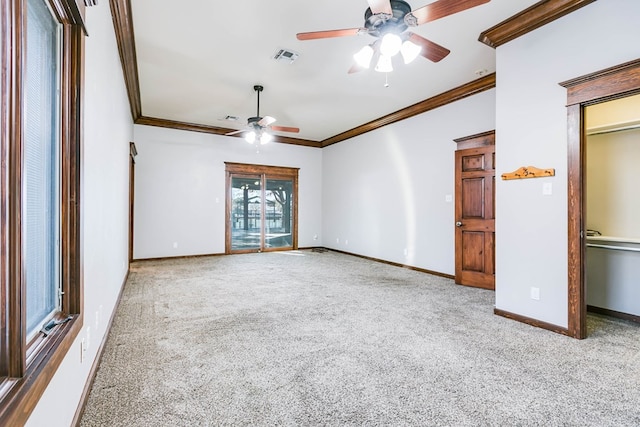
(264, 171)
(26, 368)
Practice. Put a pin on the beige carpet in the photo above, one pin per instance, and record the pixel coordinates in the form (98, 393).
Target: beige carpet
(305, 338)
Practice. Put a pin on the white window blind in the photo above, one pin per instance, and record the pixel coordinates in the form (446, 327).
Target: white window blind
(41, 198)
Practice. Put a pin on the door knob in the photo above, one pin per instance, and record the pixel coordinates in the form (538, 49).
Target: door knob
(458, 224)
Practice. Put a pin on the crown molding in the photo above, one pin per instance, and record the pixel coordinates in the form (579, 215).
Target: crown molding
(529, 19)
(123, 25)
(194, 127)
(474, 87)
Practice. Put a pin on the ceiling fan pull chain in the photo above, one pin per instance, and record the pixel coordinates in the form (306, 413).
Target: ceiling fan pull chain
(386, 79)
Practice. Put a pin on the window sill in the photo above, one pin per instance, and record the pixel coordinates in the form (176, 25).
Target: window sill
(19, 396)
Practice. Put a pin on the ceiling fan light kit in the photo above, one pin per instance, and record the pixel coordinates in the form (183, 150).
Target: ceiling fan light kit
(259, 126)
(364, 56)
(390, 45)
(409, 51)
(250, 137)
(384, 64)
(387, 20)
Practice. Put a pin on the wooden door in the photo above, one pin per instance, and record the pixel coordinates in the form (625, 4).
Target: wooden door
(474, 211)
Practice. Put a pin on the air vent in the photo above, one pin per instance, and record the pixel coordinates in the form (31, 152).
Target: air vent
(285, 55)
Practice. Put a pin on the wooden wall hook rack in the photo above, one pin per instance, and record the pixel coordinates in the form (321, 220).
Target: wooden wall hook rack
(528, 172)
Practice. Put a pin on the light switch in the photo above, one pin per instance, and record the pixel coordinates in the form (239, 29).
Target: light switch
(547, 188)
(448, 198)
(535, 293)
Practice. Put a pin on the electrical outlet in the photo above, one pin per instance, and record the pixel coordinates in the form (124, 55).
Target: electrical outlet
(175, 245)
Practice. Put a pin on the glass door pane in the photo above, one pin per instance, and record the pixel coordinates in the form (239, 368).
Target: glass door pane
(246, 213)
(278, 213)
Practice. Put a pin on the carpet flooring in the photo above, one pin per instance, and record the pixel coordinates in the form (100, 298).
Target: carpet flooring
(306, 339)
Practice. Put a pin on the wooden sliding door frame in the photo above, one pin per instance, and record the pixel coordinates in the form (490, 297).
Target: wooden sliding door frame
(265, 173)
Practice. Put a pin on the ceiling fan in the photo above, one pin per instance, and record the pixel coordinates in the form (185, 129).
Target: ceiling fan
(258, 126)
(388, 20)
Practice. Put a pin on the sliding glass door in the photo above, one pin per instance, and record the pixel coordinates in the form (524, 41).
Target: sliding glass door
(246, 215)
(279, 208)
(261, 208)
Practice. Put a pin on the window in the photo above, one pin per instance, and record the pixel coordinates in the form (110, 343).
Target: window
(40, 168)
(40, 281)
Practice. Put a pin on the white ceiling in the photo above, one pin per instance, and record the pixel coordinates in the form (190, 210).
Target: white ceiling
(198, 61)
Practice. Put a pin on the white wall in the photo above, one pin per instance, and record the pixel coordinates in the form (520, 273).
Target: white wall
(107, 132)
(531, 129)
(180, 189)
(613, 194)
(384, 192)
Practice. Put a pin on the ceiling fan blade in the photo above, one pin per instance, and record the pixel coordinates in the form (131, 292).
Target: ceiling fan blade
(330, 33)
(430, 50)
(266, 121)
(441, 8)
(234, 132)
(355, 68)
(380, 6)
(285, 129)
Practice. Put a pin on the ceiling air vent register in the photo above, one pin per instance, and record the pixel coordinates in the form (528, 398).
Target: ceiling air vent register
(286, 56)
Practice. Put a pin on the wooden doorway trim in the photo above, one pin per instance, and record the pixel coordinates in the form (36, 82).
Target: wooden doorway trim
(132, 177)
(602, 86)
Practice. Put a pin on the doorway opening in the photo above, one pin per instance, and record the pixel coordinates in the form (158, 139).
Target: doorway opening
(602, 86)
(613, 208)
(261, 208)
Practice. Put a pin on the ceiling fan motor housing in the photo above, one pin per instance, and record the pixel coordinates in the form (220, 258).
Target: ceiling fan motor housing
(253, 122)
(380, 24)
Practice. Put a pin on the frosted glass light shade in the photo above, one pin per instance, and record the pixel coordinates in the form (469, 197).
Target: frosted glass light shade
(410, 51)
(250, 137)
(390, 44)
(265, 138)
(363, 56)
(384, 64)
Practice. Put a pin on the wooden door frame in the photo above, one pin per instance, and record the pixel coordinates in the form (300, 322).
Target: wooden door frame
(612, 83)
(265, 172)
(132, 176)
